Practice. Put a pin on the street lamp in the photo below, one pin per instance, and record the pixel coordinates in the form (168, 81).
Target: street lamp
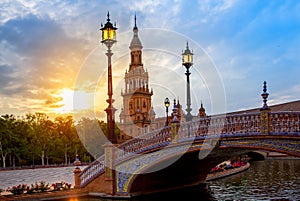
(109, 38)
(167, 104)
(187, 62)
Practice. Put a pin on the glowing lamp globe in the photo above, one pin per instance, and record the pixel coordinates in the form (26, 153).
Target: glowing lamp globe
(108, 31)
(187, 56)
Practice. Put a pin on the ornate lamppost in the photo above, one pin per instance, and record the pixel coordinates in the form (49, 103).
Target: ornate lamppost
(187, 62)
(167, 104)
(109, 38)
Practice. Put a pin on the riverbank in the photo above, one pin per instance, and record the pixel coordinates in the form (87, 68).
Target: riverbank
(226, 173)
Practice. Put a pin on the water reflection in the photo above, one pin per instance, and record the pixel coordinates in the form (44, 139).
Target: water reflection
(198, 193)
(265, 180)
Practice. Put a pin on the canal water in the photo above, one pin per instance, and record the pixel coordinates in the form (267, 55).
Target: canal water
(264, 180)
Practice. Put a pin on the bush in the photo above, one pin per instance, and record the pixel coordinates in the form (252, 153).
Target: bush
(37, 188)
(18, 190)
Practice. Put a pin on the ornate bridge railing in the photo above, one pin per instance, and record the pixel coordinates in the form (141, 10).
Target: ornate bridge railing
(285, 122)
(236, 125)
(94, 169)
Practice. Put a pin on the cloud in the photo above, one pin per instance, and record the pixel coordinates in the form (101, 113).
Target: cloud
(37, 56)
(44, 43)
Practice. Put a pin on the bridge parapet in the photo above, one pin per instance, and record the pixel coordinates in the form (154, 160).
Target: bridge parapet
(148, 141)
(285, 122)
(214, 126)
(211, 127)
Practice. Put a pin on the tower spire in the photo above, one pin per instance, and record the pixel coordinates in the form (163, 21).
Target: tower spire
(135, 42)
(135, 27)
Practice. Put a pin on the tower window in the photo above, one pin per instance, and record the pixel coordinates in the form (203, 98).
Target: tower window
(144, 104)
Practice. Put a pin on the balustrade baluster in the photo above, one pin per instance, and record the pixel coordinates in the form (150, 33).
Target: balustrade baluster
(292, 123)
(257, 124)
(288, 123)
(273, 119)
(283, 123)
(278, 124)
(298, 123)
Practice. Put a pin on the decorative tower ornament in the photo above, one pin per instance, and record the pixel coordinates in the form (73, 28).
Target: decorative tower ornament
(201, 113)
(174, 123)
(174, 114)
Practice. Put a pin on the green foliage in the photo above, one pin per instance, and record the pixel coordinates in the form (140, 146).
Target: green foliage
(37, 140)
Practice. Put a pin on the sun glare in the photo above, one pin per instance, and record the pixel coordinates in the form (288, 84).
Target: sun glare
(73, 101)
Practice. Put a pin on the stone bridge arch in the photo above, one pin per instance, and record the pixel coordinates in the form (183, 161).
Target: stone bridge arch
(179, 166)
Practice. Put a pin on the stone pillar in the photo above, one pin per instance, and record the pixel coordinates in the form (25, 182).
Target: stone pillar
(265, 120)
(265, 125)
(109, 150)
(77, 171)
(174, 126)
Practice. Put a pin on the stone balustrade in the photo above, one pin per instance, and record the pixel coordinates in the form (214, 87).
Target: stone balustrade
(285, 122)
(92, 170)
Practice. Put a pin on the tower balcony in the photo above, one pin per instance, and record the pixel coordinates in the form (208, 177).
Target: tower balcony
(142, 90)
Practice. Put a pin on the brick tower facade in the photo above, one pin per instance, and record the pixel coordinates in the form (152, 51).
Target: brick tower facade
(137, 111)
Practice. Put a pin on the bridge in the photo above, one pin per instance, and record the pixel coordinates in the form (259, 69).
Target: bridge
(182, 154)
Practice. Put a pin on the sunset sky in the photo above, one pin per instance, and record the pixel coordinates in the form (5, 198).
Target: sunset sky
(49, 49)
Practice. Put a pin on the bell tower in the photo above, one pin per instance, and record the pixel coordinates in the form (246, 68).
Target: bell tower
(137, 111)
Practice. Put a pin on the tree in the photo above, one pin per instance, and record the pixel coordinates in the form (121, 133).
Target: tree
(10, 137)
(38, 139)
(5, 136)
(67, 134)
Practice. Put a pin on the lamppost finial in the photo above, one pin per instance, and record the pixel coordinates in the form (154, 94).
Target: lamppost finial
(265, 96)
(108, 16)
